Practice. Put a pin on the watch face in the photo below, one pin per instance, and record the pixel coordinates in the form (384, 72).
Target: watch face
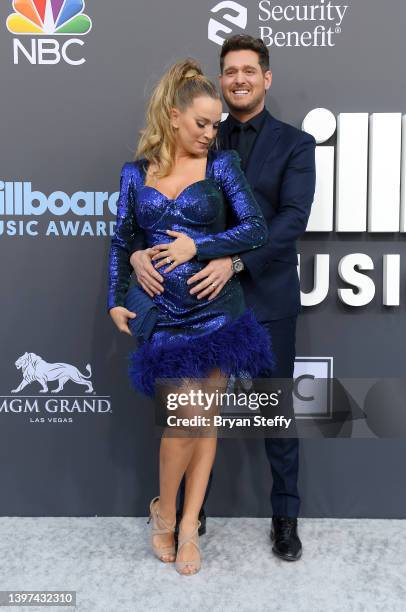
(238, 266)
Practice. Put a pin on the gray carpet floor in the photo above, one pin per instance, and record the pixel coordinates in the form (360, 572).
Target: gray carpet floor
(347, 564)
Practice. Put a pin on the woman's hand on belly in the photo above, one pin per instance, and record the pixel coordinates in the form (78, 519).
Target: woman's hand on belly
(181, 250)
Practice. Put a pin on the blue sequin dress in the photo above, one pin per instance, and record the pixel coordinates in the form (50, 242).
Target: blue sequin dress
(192, 336)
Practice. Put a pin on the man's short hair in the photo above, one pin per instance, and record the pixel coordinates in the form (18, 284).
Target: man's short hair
(240, 42)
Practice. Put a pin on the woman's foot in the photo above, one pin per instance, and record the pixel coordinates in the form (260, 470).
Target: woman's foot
(188, 556)
(162, 533)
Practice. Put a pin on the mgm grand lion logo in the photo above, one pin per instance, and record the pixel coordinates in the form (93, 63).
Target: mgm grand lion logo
(33, 368)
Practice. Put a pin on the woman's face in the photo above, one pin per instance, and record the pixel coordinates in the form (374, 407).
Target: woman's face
(196, 126)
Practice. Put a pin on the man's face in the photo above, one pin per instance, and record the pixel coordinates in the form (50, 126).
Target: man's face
(243, 83)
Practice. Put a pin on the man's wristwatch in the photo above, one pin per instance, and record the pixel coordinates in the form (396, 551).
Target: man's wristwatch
(237, 264)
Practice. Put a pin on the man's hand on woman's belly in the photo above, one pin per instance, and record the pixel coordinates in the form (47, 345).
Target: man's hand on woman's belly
(212, 278)
(149, 278)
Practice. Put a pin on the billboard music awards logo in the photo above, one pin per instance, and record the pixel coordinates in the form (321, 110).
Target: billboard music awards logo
(19, 199)
(42, 20)
(360, 188)
(292, 25)
(44, 381)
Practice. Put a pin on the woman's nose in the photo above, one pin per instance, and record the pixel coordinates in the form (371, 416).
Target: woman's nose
(209, 133)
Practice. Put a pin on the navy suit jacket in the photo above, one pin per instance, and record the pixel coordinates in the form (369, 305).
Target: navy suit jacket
(281, 172)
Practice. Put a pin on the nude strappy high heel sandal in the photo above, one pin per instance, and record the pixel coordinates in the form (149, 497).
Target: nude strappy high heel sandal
(195, 563)
(159, 527)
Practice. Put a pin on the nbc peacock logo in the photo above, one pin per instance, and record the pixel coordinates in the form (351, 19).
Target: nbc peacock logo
(49, 17)
(39, 21)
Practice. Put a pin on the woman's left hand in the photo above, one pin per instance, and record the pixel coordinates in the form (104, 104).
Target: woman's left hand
(180, 250)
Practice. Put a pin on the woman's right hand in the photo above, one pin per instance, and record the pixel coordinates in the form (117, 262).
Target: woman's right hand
(120, 316)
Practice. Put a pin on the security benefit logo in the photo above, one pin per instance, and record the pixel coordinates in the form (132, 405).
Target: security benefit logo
(40, 22)
(231, 13)
(279, 25)
(43, 383)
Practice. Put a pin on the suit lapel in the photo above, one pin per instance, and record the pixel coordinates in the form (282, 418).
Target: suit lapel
(264, 146)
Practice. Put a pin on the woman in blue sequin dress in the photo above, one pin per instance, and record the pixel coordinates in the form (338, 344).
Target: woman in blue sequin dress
(177, 194)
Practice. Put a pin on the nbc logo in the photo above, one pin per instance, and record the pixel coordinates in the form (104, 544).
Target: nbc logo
(44, 19)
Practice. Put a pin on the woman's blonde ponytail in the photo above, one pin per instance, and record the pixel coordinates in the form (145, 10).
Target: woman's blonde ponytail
(177, 88)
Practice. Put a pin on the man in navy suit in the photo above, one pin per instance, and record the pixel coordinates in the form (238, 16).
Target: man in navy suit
(279, 162)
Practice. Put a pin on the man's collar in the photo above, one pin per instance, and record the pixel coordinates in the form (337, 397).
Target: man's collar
(256, 122)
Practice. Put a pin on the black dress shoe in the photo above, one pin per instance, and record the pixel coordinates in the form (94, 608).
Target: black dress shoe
(286, 542)
(202, 519)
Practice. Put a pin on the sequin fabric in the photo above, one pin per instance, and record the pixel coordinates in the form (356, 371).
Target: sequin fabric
(192, 336)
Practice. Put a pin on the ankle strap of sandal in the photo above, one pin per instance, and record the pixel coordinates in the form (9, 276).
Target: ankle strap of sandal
(190, 537)
(159, 530)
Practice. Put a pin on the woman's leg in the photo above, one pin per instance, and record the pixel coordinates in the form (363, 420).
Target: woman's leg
(191, 450)
(174, 457)
(197, 475)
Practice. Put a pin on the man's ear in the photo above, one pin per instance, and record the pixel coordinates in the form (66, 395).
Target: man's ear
(268, 79)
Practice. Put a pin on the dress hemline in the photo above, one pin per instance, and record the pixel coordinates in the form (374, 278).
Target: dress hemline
(242, 345)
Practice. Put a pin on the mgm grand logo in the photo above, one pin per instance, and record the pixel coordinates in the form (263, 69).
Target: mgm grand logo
(58, 408)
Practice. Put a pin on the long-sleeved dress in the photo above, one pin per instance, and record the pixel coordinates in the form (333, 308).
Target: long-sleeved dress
(192, 336)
